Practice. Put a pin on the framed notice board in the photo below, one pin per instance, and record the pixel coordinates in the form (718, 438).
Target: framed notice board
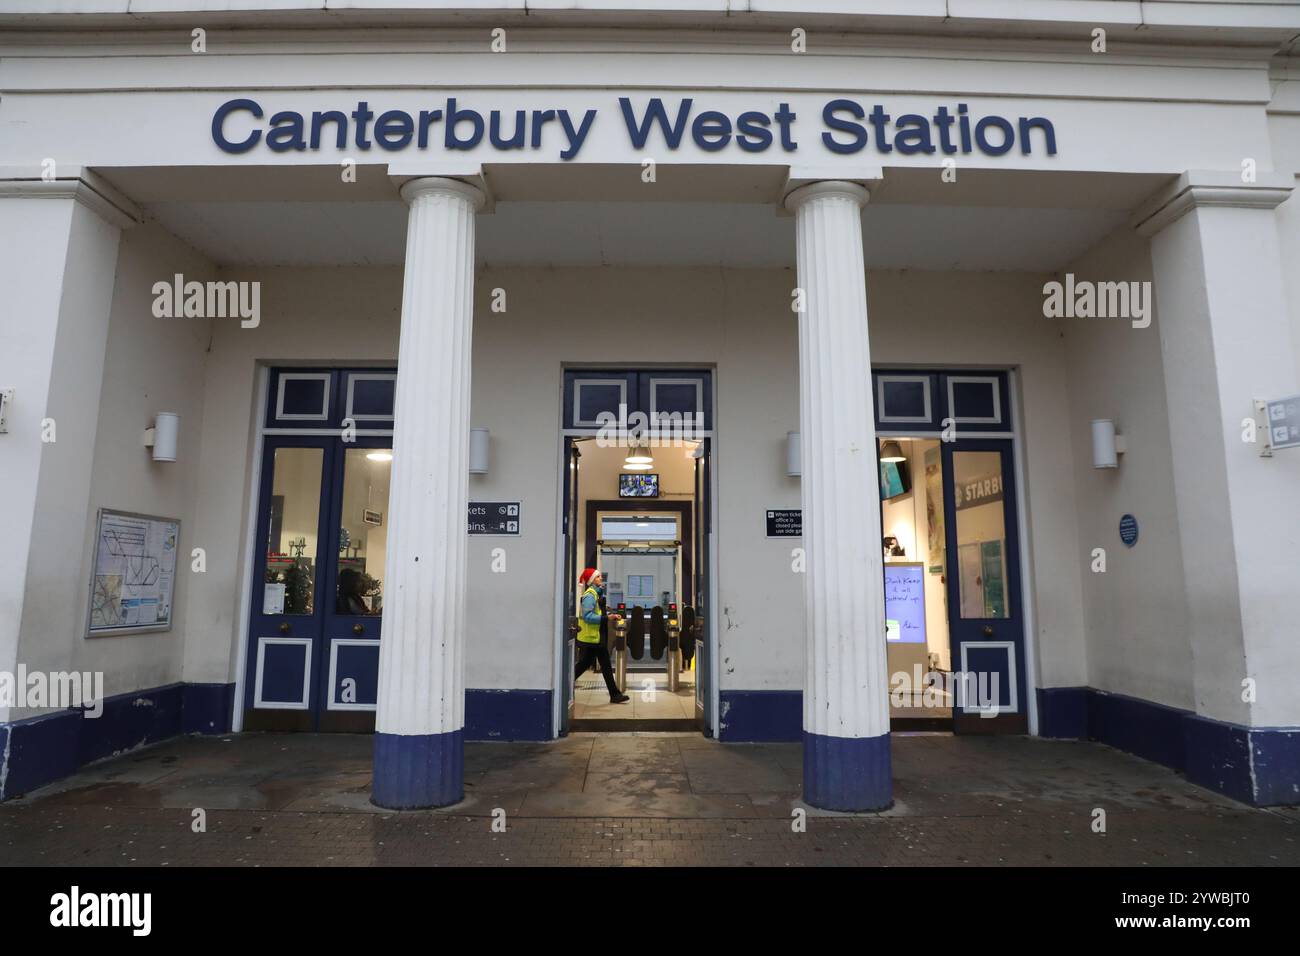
(134, 576)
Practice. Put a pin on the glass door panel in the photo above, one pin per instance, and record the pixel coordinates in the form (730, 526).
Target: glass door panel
(353, 619)
(286, 620)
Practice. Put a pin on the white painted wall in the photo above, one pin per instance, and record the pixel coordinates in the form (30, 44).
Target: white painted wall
(1136, 612)
(111, 386)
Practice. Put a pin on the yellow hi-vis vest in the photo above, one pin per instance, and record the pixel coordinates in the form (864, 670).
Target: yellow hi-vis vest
(588, 633)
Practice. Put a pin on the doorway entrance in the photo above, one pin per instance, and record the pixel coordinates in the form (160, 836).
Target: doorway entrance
(955, 632)
(637, 510)
(322, 527)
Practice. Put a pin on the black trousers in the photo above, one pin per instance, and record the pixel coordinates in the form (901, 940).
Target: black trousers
(589, 653)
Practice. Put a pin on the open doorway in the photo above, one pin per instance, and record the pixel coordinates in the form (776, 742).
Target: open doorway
(638, 523)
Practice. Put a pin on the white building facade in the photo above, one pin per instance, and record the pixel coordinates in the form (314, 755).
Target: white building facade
(905, 270)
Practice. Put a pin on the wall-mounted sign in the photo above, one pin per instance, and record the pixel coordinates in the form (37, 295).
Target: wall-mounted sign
(134, 576)
(1284, 422)
(457, 124)
(784, 523)
(1128, 530)
(981, 491)
(494, 517)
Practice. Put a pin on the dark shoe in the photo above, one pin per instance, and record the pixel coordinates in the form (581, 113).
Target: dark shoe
(620, 699)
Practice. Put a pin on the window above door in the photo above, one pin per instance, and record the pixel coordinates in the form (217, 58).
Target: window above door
(911, 401)
(667, 398)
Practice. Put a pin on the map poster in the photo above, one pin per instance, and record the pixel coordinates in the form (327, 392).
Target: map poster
(134, 576)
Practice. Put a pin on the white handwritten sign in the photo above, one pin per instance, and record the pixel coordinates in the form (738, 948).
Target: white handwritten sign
(905, 603)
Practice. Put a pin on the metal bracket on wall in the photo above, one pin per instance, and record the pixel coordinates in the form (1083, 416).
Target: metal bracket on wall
(1261, 408)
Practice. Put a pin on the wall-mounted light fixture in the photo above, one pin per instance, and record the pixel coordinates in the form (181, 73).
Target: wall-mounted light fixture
(793, 454)
(1107, 444)
(479, 441)
(163, 436)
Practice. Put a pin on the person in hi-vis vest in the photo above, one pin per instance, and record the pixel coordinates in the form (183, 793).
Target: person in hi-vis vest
(591, 645)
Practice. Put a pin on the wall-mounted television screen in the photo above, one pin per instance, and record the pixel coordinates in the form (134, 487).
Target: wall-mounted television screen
(895, 479)
(637, 485)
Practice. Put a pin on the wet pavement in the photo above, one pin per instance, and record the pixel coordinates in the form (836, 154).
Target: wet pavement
(637, 799)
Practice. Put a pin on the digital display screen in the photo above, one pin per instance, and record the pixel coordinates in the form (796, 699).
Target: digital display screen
(895, 479)
(638, 486)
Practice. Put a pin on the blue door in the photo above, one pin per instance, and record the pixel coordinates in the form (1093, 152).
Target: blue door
(354, 585)
(313, 660)
(982, 572)
(289, 588)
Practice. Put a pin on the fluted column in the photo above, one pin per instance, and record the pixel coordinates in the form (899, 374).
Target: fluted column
(846, 761)
(419, 727)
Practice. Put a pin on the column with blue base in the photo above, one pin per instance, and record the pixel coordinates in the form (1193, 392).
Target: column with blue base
(419, 726)
(846, 758)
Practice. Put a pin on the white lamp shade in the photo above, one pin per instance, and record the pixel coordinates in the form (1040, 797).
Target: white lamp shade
(479, 439)
(793, 454)
(166, 436)
(1104, 453)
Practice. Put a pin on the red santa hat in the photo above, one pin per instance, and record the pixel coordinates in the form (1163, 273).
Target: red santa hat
(587, 575)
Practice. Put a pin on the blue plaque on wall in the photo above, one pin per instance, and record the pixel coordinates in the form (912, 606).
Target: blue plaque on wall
(1128, 530)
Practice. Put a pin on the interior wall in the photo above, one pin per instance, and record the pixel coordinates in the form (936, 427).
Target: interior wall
(906, 518)
(150, 365)
(1136, 610)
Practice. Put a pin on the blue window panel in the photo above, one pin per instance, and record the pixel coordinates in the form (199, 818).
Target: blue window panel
(680, 397)
(904, 399)
(975, 399)
(592, 399)
(371, 397)
(358, 662)
(284, 673)
(304, 397)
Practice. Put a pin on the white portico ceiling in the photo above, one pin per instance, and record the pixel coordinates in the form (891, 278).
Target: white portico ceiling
(926, 237)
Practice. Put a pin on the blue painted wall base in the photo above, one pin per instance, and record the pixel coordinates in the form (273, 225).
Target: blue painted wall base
(760, 716)
(38, 750)
(417, 771)
(507, 714)
(1256, 765)
(847, 773)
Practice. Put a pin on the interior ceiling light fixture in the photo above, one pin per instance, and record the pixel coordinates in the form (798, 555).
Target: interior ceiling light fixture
(892, 451)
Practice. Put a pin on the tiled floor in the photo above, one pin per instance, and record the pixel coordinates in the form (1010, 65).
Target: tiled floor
(637, 799)
(651, 698)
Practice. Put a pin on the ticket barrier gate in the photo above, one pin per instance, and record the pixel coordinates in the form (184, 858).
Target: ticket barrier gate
(683, 634)
(618, 647)
(674, 648)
